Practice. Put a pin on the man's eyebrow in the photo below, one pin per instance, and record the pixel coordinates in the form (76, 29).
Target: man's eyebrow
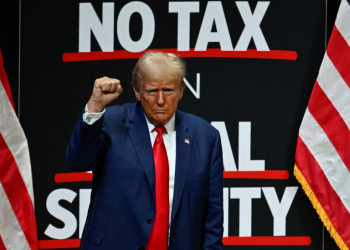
(150, 88)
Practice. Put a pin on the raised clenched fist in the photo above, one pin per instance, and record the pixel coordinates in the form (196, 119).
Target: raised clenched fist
(104, 92)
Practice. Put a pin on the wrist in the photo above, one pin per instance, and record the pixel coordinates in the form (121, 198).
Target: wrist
(95, 107)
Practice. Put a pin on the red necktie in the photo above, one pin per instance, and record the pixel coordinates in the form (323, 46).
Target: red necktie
(158, 239)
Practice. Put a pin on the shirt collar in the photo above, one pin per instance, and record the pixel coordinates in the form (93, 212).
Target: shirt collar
(169, 126)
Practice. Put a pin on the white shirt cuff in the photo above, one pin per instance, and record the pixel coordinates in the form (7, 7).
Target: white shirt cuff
(90, 118)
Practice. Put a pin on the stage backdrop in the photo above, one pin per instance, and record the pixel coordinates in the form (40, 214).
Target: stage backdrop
(251, 68)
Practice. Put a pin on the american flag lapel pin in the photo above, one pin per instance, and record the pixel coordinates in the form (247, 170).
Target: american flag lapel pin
(187, 141)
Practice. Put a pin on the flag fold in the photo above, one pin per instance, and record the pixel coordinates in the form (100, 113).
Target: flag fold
(17, 219)
(322, 159)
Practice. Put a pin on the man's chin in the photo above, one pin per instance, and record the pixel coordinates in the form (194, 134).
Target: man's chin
(160, 119)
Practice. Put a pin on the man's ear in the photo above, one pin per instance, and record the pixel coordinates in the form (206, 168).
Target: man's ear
(137, 94)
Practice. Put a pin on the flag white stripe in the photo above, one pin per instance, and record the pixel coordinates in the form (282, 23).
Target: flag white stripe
(326, 156)
(10, 230)
(15, 139)
(335, 88)
(343, 20)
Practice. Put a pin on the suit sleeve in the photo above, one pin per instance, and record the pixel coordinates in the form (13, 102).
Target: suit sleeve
(214, 218)
(87, 145)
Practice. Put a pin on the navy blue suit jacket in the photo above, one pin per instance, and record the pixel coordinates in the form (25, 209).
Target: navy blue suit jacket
(118, 150)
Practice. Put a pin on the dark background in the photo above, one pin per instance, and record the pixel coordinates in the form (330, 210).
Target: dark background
(272, 94)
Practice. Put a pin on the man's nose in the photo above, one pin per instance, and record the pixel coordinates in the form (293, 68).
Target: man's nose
(160, 98)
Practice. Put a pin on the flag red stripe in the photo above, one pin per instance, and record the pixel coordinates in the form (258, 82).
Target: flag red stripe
(5, 82)
(327, 197)
(17, 194)
(209, 53)
(338, 52)
(267, 174)
(2, 246)
(267, 241)
(329, 119)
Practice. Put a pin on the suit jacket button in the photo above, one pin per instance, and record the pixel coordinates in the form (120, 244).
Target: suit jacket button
(150, 221)
(141, 248)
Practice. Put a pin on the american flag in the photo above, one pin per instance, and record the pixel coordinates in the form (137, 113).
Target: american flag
(17, 218)
(323, 146)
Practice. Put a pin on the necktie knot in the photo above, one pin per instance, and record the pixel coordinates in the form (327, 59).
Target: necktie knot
(160, 129)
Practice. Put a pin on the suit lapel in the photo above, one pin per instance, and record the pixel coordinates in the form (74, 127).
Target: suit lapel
(138, 131)
(183, 157)
(136, 126)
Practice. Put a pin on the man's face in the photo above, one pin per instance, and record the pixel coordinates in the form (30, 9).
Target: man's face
(159, 100)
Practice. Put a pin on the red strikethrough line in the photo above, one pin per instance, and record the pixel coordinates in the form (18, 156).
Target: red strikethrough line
(56, 244)
(267, 174)
(73, 177)
(267, 241)
(209, 53)
(228, 241)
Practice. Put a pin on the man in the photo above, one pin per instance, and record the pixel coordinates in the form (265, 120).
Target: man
(170, 198)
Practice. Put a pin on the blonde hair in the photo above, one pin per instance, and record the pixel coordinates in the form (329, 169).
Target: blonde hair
(158, 66)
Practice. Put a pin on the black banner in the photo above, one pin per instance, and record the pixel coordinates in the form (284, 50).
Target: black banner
(251, 66)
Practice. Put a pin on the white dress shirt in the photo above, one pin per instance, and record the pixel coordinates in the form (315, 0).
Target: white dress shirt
(169, 138)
